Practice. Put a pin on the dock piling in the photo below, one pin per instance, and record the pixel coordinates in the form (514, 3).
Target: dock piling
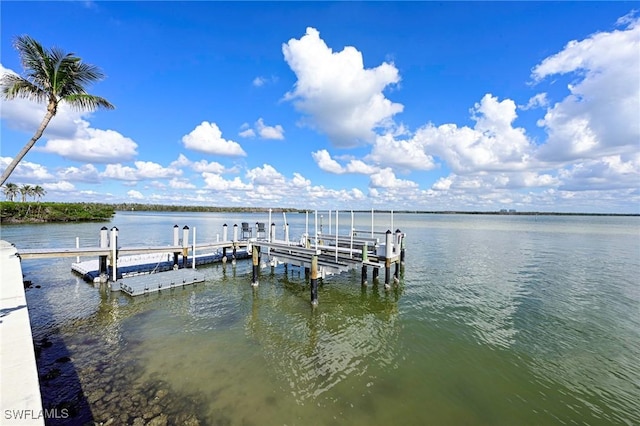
(255, 256)
(102, 259)
(314, 280)
(176, 243)
(364, 265)
(387, 260)
(185, 245)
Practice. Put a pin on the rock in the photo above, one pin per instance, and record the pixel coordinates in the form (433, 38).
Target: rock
(161, 393)
(161, 420)
(95, 396)
(138, 421)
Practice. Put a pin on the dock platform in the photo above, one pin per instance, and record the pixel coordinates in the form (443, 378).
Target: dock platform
(162, 281)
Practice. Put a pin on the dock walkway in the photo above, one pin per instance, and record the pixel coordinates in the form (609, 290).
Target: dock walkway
(20, 399)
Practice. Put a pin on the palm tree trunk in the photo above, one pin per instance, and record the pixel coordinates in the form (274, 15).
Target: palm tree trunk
(45, 121)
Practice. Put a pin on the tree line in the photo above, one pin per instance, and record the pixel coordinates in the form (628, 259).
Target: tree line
(11, 191)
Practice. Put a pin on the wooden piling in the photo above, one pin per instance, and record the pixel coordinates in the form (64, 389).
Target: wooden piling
(255, 256)
(235, 242)
(364, 266)
(387, 260)
(185, 245)
(314, 280)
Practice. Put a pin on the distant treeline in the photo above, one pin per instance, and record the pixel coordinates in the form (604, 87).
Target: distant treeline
(36, 212)
(204, 209)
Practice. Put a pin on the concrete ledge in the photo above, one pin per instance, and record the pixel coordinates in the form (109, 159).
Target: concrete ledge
(20, 400)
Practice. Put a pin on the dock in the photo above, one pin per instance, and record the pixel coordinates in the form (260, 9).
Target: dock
(139, 270)
(160, 281)
(20, 399)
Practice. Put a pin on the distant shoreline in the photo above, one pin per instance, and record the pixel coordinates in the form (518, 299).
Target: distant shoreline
(48, 212)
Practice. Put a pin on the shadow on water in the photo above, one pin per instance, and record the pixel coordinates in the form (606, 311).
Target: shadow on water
(62, 397)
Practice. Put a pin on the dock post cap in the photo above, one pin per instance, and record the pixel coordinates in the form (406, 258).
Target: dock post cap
(104, 228)
(388, 231)
(185, 227)
(175, 226)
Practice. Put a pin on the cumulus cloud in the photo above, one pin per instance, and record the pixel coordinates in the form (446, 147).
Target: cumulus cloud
(142, 170)
(266, 175)
(600, 114)
(403, 154)
(340, 97)
(216, 182)
(385, 178)
(86, 173)
(493, 144)
(325, 162)
(269, 132)
(207, 138)
(93, 145)
(262, 130)
(199, 166)
(26, 171)
(136, 195)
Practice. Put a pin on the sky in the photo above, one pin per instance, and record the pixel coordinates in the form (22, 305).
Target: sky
(437, 106)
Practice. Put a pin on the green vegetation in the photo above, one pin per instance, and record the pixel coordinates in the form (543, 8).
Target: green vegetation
(29, 212)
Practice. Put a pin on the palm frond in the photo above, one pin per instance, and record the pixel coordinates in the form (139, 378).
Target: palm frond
(14, 86)
(86, 102)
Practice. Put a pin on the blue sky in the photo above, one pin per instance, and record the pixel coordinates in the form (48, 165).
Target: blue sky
(533, 106)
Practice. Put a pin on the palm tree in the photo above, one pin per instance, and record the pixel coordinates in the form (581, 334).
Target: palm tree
(38, 192)
(52, 76)
(10, 191)
(26, 190)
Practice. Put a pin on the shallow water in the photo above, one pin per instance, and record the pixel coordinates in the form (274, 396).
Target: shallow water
(496, 320)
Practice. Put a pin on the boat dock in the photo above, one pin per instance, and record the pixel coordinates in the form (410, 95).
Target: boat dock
(142, 270)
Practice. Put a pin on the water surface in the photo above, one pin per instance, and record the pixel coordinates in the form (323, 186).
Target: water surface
(496, 320)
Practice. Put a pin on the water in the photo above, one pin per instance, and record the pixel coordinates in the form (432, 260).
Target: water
(496, 320)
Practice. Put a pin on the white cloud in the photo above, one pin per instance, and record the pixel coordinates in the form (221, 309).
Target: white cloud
(26, 171)
(93, 145)
(269, 132)
(260, 81)
(181, 183)
(143, 170)
(85, 173)
(136, 195)
(385, 178)
(62, 186)
(341, 98)
(537, 101)
(600, 114)
(207, 138)
(248, 133)
(404, 154)
(266, 175)
(493, 144)
(216, 182)
(325, 162)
